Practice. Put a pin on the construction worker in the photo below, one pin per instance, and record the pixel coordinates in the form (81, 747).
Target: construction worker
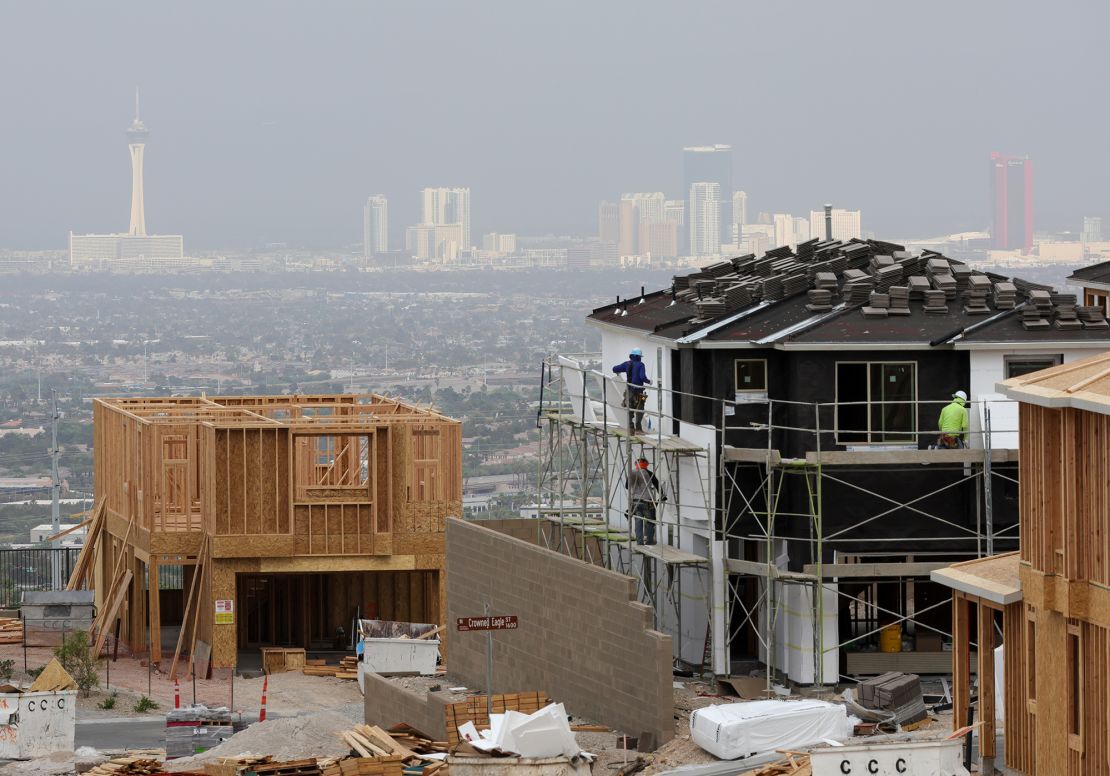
(635, 398)
(953, 423)
(642, 487)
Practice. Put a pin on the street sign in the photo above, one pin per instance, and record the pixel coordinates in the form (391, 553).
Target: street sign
(487, 623)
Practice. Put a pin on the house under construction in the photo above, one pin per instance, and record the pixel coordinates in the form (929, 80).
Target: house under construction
(792, 422)
(230, 523)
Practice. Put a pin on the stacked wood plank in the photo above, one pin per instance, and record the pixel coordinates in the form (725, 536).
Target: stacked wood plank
(793, 764)
(365, 766)
(306, 767)
(474, 710)
(139, 763)
(234, 766)
(347, 668)
(11, 630)
(382, 753)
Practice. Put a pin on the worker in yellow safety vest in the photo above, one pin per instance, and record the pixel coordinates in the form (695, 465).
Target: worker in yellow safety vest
(953, 423)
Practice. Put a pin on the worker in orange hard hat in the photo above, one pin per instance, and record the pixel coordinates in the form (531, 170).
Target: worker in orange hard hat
(642, 489)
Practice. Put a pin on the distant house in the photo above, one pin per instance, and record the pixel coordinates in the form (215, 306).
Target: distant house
(40, 533)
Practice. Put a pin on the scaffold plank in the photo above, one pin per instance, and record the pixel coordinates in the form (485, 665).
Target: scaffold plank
(672, 556)
(870, 570)
(751, 455)
(879, 457)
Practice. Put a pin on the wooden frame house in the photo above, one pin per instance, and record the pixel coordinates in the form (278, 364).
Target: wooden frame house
(232, 523)
(1056, 615)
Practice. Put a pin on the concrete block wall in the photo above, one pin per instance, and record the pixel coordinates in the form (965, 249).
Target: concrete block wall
(387, 704)
(524, 528)
(582, 639)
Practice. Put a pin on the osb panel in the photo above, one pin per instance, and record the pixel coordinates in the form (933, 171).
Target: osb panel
(258, 546)
(302, 563)
(177, 543)
(418, 544)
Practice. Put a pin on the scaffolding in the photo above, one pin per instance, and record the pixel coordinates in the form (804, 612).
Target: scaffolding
(588, 447)
(754, 526)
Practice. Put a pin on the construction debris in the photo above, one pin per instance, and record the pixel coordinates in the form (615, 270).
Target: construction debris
(474, 710)
(11, 630)
(195, 729)
(53, 678)
(892, 697)
(793, 764)
(137, 763)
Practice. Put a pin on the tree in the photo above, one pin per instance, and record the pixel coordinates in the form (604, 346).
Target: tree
(75, 655)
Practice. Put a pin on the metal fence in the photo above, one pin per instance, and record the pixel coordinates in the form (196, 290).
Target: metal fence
(31, 569)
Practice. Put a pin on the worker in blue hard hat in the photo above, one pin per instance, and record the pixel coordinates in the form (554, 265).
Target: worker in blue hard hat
(636, 374)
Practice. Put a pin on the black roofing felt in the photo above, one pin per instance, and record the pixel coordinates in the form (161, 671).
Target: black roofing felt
(707, 298)
(1099, 273)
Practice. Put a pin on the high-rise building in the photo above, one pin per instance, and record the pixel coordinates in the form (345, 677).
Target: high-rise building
(608, 223)
(704, 224)
(784, 230)
(659, 239)
(801, 230)
(629, 223)
(675, 210)
(495, 242)
(649, 206)
(434, 241)
(846, 224)
(446, 206)
(136, 143)
(712, 164)
(136, 249)
(739, 214)
(1092, 229)
(1011, 202)
(375, 226)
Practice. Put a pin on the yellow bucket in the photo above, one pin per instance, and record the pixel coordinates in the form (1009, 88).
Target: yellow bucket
(890, 638)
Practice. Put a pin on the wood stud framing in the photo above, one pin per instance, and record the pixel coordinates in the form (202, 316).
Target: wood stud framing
(265, 484)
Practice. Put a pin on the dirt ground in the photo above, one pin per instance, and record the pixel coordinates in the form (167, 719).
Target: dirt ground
(337, 703)
(287, 694)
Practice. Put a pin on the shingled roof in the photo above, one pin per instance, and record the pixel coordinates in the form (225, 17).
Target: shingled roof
(828, 292)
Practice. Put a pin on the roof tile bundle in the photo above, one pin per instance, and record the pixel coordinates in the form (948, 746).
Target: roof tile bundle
(820, 300)
(899, 300)
(1066, 316)
(936, 302)
(1005, 295)
(1092, 317)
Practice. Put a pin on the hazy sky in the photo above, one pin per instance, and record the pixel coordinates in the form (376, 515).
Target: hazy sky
(273, 121)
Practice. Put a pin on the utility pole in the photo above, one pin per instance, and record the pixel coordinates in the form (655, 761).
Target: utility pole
(56, 492)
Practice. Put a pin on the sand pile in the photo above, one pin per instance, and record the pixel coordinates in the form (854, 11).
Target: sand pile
(288, 738)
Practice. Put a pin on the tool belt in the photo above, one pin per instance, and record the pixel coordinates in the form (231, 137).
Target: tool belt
(637, 396)
(949, 441)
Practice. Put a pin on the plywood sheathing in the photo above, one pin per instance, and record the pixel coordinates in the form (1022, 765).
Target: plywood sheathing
(285, 484)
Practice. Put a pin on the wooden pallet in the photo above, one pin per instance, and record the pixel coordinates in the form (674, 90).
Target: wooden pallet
(473, 709)
(307, 767)
(366, 766)
(347, 668)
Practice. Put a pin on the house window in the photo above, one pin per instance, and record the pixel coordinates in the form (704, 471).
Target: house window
(1074, 658)
(1016, 366)
(876, 402)
(1030, 656)
(751, 375)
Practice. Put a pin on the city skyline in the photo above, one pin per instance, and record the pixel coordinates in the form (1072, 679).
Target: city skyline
(241, 160)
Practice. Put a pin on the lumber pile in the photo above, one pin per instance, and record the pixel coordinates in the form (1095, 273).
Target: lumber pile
(139, 763)
(893, 697)
(347, 668)
(11, 630)
(380, 753)
(234, 766)
(306, 767)
(793, 764)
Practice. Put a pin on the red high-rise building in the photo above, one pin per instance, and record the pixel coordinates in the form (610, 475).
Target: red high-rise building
(1011, 202)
